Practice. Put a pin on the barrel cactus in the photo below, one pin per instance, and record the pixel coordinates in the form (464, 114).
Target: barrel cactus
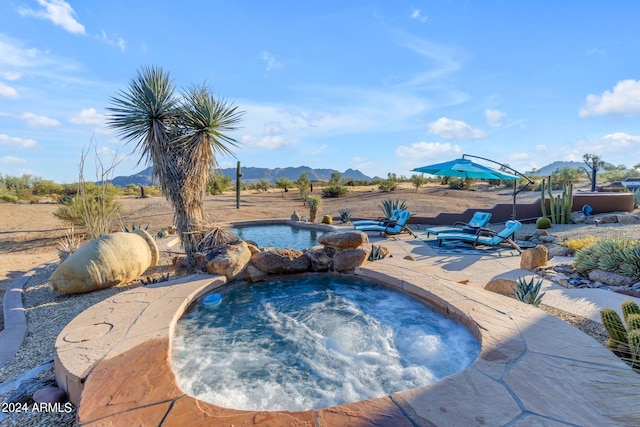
(543, 223)
(327, 219)
(624, 341)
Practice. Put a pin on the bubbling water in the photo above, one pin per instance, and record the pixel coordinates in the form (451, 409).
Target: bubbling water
(308, 343)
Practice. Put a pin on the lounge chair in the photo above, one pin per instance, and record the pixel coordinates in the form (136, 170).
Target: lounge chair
(477, 221)
(395, 214)
(392, 227)
(486, 236)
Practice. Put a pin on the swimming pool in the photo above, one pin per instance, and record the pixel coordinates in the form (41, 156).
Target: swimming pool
(313, 342)
(280, 235)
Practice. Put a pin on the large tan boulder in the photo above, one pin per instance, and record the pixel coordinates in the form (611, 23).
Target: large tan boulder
(343, 239)
(280, 261)
(346, 260)
(110, 260)
(501, 285)
(229, 260)
(534, 257)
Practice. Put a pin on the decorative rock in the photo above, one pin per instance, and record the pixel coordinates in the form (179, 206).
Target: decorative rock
(608, 219)
(295, 216)
(626, 219)
(24, 392)
(49, 395)
(180, 265)
(252, 274)
(229, 260)
(501, 286)
(558, 250)
(547, 239)
(319, 258)
(534, 257)
(409, 257)
(347, 260)
(280, 261)
(611, 279)
(107, 261)
(577, 218)
(343, 239)
(538, 233)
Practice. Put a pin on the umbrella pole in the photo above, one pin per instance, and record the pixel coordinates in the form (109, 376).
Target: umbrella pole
(515, 194)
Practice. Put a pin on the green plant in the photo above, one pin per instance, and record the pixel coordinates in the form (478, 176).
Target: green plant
(327, 219)
(218, 183)
(345, 215)
(611, 254)
(560, 206)
(70, 243)
(389, 205)
(334, 190)
(389, 184)
(314, 203)
(418, 181)
(303, 183)
(543, 223)
(134, 227)
(528, 292)
(636, 199)
(580, 243)
(624, 341)
(377, 253)
(262, 185)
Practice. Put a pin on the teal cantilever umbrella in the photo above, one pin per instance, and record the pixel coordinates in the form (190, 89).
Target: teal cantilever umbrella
(465, 168)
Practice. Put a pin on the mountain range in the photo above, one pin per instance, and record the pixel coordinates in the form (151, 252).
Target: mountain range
(251, 175)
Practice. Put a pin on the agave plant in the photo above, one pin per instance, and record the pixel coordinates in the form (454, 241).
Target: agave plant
(180, 137)
(527, 292)
(390, 205)
(345, 215)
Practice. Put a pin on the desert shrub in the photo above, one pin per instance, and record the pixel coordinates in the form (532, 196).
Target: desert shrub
(303, 183)
(580, 243)
(218, 184)
(418, 181)
(8, 198)
(262, 185)
(334, 190)
(389, 184)
(456, 183)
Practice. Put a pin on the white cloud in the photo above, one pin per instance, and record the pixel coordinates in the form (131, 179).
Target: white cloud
(495, 117)
(420, 150)
(35, 121)
(10, 75)
(360, 163)
(114, 40)
(57, 11)
(14, 142)
(12, 160)
(540, 147)
(270, 60)
(267, 142)
(7, 91)
(88, 116)
(623, 100)
(455, 129)
(417, 15)
(622, 140)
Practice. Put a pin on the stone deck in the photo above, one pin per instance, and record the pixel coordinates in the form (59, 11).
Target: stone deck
(114, 361)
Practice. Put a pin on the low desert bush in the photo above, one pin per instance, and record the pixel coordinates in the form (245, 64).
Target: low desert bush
(612, 254)
(580, 243)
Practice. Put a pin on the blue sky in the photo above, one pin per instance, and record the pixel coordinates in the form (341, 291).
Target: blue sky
(378, 86)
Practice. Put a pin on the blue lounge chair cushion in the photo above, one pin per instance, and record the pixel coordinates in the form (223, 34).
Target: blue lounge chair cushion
(478, 220)
(486, 237)
(380, 221)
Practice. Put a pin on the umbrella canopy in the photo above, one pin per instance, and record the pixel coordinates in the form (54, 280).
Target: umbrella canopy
(464, 168)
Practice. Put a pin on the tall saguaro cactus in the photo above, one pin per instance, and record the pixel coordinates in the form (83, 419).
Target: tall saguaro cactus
(238, 176)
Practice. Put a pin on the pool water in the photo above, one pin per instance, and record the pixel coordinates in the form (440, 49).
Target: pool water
(314, 342)
(280, 236)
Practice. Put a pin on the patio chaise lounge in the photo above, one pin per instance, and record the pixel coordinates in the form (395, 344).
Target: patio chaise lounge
(380, 221)
(486, 236)
(477, 221)
(391, 227)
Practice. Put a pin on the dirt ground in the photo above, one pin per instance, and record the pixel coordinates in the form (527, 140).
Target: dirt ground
(29, 233)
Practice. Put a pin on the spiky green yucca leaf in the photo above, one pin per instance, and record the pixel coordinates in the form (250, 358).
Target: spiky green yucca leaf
(389, 205)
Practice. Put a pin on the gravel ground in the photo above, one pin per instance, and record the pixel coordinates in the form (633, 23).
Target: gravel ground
(48, 312)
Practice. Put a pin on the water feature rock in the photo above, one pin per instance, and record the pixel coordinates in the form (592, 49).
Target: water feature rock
(534, 257)
(346, 260)
(229, 260)
(320, 258)
(343, 239)
(280, 261)
(107, 261)
(252, 274)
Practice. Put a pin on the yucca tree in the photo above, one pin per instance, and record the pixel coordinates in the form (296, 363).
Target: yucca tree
(180, 138)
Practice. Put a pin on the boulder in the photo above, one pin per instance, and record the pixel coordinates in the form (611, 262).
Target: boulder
(229, 260)
(626, 219)
(180, 265)
(346, 260)
(110, 260)
(344, 239)
(319, 258)
(49, 395)
(611, 279)
(534, 257)
(280, 261)
(608, 219)
(252, 274)
(501, 286)
(558, 250)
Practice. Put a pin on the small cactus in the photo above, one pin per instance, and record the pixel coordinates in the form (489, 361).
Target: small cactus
(624, 342)
(377, 253)
(543, 223)
(327, 219)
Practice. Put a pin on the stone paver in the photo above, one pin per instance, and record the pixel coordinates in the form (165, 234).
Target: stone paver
(533, 369)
